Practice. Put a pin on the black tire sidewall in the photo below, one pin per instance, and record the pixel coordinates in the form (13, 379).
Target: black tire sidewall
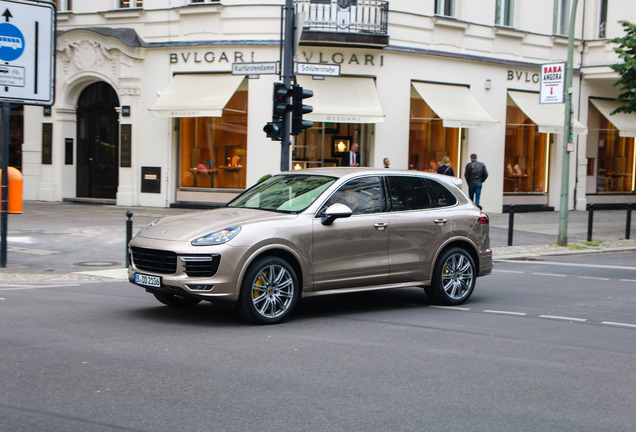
(436, 290)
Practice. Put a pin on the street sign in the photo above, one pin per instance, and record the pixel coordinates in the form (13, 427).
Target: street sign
(27, 51)
(317, 69)
(552, 83)
(256, 68)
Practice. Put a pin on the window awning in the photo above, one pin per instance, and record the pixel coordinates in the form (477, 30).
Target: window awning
(196, 95)
(549, 117)
(343, 100)
(455, 105)
(625, 123)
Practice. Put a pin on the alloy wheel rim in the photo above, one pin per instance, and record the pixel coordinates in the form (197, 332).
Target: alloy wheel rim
(457, 276)
(272, 291)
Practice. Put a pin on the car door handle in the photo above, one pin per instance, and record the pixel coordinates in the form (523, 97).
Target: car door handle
(381, 225)
(440, 221)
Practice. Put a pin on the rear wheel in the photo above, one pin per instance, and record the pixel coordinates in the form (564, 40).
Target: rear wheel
(174, 300)
(269, 291)
(453, 277)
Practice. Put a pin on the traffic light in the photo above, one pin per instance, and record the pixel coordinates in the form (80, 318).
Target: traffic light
(280, 108)
(298, 109)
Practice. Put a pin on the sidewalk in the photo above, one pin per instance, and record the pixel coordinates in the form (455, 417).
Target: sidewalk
(58, 243)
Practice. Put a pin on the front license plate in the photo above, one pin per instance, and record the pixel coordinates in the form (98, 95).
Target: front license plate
(147, 280)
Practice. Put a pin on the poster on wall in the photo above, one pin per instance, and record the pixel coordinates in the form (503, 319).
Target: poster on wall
(552, 83)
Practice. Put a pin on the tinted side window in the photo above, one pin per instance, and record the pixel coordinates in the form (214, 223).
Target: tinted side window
(441, 196)
(363, 195)
(408, 193)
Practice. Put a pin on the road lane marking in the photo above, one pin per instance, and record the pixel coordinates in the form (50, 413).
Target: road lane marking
(627, 280)
(550, 274)
(563, 318)
(618, 324)
(509, 271)
(31, 287)
(593, 278)
(452, 307)
(505, 312)
(567, 264)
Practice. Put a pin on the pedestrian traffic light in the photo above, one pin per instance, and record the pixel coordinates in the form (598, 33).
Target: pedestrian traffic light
(298, 109)
(280, 108)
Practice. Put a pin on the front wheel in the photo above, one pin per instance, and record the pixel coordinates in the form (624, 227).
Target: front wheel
(453, 277)
(269, 291)
(176, 301)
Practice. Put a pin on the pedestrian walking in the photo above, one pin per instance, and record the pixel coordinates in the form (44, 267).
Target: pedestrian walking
(476, 174)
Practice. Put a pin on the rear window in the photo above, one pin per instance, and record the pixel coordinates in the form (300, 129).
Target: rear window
(440, 196)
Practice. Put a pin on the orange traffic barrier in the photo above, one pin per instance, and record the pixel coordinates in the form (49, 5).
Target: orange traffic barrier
(15, 190)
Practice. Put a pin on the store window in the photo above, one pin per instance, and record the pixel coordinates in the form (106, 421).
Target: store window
(615, 169)
(527, 154)
(327, 144)
(429, 140)
(212, 150)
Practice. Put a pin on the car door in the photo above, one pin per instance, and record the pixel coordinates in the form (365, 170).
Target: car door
(418, 226)
(352, 252)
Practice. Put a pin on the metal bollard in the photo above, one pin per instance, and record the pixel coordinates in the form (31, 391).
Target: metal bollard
(511, 223)
(590, 221)
(628, 223)
(129, 227)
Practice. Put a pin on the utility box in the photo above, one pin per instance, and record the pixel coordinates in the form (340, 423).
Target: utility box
(151, 180)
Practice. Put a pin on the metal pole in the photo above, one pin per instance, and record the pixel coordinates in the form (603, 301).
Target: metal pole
(288, 74)
(590, 221)
(628, 222)
(4, 165)
(567, 134)
(129, 228)
(511, 223)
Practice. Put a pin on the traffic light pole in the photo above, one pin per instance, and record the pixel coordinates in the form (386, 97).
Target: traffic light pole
(287, 76)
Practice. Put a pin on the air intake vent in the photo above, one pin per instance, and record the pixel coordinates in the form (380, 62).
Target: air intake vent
(201, 265)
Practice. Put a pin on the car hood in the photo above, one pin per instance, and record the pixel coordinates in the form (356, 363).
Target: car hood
(192, 225)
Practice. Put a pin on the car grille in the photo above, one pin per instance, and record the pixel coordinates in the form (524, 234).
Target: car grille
(154, 260)
(201, 265)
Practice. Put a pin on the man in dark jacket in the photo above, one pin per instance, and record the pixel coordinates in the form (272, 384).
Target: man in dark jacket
(475, 173)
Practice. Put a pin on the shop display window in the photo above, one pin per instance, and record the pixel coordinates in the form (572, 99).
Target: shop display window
(325, 144)
(615, 169)
(429, 140)
(526, 155)
(213, 149)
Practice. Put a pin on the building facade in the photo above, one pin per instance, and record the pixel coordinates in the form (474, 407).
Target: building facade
(149, 112)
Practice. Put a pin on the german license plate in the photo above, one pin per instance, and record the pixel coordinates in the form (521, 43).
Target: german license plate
(147, 280)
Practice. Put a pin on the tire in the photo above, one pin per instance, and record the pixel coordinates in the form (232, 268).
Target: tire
(176, 301)
(454, 277)
(269, 291)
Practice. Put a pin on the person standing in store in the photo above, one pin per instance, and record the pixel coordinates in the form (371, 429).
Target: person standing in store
(475, 173)
(352, 157)
(445, 167)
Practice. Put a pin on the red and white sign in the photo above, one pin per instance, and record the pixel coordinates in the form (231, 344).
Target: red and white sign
(552, 83)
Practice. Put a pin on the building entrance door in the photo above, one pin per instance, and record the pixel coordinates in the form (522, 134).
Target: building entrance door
(97, 142)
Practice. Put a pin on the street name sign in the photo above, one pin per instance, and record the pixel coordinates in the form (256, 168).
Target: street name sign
(255, 68)
(27, 52)
(552, 83)
(318, 69)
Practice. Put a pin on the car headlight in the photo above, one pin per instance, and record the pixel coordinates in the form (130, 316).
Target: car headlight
(147, 227)
(217, 237)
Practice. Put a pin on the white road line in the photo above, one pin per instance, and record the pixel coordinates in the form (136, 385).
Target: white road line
(564, 318)
(31, 287)
(508, 271)
(593, 278)
(568, 264)
(452, 307)
(505, 312)
(612, 323)
(627, 280)
(550, 274)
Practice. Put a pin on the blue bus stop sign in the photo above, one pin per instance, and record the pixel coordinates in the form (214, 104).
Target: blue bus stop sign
(11, 42)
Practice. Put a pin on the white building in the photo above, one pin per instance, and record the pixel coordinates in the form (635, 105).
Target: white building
(147, 111)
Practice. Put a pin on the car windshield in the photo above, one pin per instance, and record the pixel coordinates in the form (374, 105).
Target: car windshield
(283, 193)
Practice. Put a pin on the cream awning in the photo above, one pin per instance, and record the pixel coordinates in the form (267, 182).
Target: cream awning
(625, 123)
(549, 117)
(455, 105)
(343, 100)
(196, 95)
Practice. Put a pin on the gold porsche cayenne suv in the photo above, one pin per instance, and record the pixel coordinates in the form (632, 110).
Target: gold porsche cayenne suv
(313, 232)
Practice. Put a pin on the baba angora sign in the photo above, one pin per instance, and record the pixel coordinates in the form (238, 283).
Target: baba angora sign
(552, 83)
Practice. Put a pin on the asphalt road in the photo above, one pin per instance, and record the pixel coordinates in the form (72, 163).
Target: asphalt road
(546, 344)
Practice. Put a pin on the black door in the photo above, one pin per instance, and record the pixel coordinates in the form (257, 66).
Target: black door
(97, 142)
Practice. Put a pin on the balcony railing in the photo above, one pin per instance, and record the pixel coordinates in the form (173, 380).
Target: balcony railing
(368, 17)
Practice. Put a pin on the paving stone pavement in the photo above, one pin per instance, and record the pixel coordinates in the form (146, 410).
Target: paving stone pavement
(66, 243)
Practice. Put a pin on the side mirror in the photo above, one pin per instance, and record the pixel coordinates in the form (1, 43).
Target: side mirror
(335, 211)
